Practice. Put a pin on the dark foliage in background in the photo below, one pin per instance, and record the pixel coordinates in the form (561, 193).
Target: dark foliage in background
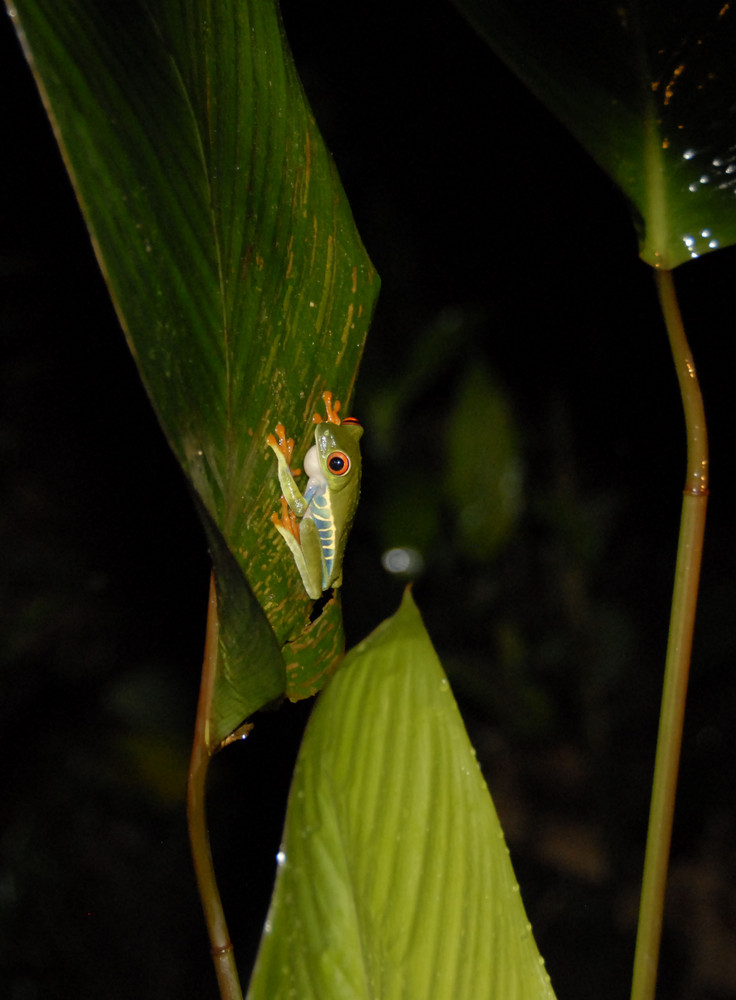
(505, 252)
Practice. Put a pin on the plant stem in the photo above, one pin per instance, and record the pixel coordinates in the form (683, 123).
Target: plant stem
(221, 947)
(679, 646)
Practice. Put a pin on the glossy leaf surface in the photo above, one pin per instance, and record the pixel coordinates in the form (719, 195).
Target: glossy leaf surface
(237, 273)
(394, 877)
(650, 90)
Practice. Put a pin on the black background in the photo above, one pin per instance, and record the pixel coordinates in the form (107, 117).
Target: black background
(473, 204)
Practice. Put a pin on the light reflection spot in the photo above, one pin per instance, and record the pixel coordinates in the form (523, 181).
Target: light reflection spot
(404, 560)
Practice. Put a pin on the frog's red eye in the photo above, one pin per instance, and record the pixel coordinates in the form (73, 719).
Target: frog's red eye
(338, 463)
(351, 420)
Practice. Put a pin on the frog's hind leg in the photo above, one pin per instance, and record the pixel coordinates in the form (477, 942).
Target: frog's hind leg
(303, 541)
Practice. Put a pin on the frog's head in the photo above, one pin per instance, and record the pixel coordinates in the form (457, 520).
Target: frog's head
(335, 457)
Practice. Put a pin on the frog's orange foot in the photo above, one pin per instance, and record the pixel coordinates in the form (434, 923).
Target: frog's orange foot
(284, 444)
(286, 519)
(332, 411)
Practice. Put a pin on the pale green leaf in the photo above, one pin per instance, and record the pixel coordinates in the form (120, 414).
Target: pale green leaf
(395, 880)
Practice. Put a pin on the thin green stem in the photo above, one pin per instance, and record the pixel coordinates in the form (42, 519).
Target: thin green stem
(677, 663)
(222, 949)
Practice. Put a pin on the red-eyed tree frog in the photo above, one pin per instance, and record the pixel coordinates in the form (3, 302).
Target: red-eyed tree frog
(327, 507)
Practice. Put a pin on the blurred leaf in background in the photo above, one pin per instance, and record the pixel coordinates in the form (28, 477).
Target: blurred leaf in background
(482, 465)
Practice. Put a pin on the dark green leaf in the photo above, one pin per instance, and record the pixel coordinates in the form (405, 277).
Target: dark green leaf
(650, 90)
(233, 261)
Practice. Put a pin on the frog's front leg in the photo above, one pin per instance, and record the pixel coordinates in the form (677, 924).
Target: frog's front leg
(283, 449)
